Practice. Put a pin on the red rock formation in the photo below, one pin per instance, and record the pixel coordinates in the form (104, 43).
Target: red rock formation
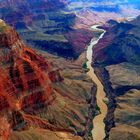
(5, 128)
(26, 78)
(26, 70)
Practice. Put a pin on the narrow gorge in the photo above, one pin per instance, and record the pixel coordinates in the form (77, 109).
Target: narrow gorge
(98, 131)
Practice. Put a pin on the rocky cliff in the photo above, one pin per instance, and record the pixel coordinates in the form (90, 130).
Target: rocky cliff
(47, 25)
(40, 97)
(117, 61)
(23, 69)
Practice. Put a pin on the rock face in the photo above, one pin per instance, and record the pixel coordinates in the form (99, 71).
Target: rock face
(117, 60)
(23, 74)
(46, 25)
(127, 117)
(39, 98)
(23, 70)
(118, 45)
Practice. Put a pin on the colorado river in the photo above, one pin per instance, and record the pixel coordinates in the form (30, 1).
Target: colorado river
(98, 131)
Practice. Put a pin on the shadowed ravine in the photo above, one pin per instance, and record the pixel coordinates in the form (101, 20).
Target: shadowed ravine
(98, 131)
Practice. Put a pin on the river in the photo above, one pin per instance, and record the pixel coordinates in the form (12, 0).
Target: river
(98, 131)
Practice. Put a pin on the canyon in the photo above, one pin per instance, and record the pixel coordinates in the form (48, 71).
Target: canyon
(46, 25)
(69, 69)
(116, 61)
(98, 131)
(40, 98)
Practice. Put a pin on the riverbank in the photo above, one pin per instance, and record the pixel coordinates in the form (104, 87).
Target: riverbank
(98, 131)
(77, 80)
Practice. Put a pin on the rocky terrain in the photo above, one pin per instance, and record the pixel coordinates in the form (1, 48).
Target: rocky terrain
(54, 26)
(87, 18)
(117, 61)
(44, 90)
(46, 25)
(90, 12)
(42, 95)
